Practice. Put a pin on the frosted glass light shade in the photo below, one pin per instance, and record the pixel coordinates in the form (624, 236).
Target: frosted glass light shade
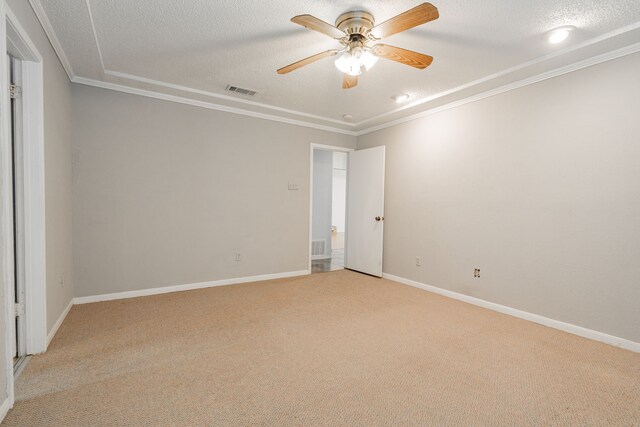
(349, 64)
(368, 60)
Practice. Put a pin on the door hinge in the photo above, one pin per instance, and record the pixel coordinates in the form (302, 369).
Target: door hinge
(15, 92)
(19, 309)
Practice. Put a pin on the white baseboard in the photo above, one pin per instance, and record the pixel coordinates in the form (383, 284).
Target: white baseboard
(556, 324)
(4, 408)
(58, 323)
(187, 287)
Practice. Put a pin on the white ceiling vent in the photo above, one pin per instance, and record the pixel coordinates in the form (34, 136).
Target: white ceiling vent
(241, 90)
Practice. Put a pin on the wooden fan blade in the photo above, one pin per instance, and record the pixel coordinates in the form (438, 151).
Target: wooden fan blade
(313, 23)
(291, 67)
(403, 56)
(411, 18)
(349, 81)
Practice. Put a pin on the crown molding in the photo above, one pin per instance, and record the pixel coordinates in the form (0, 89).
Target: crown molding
(507, 71)
(167, 85)
(145, 80)
(203, 104)
(48, 28)
(95, 33)
(614, 54)
(51, 35)
(57, 47)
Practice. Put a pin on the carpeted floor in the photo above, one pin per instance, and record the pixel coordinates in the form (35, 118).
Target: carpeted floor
(330, 349)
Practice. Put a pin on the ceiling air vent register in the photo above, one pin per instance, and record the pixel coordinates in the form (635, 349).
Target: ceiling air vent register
(241, 90)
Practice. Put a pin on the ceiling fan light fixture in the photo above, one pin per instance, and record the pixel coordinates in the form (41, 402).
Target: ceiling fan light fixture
(356, 30)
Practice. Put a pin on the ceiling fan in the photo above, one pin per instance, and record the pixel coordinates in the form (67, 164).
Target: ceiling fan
(355, 30)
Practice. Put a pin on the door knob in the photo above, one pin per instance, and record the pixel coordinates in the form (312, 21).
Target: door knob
(379, 218)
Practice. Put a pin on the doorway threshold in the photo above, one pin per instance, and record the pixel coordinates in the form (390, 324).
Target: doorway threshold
(19, 366)
(325, 265)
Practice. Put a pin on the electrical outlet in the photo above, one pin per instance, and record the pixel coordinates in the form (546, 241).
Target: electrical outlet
(62, 280)
(418, 261)
(476, 272)
(238, 256)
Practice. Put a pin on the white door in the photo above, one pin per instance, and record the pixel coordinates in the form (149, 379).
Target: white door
(365, 211)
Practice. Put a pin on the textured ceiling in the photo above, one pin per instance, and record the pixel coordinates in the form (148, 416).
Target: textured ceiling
(195, 48)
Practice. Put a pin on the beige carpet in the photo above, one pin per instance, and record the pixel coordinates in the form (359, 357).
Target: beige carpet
(326, 350)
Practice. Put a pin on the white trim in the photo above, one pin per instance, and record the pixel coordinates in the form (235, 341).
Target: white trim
(4, 408)
(331, 147)
(51, 35)
(6, 225)
(224, 97)
(33, 184)
(58, 323)
(506, 71)
(34, 206)
(618, 53)
(19, 202)
(614, 54)
(501, 73)
(146, 80)
(203, 104)
(314, 146)
(35, 303)
(187, 287)
(556, 324)
(95, 34)
(48, 28)
(16, 33)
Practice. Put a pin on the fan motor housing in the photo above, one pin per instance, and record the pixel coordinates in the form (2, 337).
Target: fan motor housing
(355, 22)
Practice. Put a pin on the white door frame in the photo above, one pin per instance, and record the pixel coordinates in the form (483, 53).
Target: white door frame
(325, 147)
(13, 36)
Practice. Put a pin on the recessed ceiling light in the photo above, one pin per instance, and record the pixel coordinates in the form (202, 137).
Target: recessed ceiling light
(558, 35)
(347, 117)
(400, 98)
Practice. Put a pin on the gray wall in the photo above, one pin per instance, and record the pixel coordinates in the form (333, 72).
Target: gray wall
(538, 187)
(57, 158)
(322, 197)
(166, 194)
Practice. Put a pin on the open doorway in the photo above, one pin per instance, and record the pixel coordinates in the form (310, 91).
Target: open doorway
(17, 189)
(347, 209)
(328, 208)
(22, 223)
